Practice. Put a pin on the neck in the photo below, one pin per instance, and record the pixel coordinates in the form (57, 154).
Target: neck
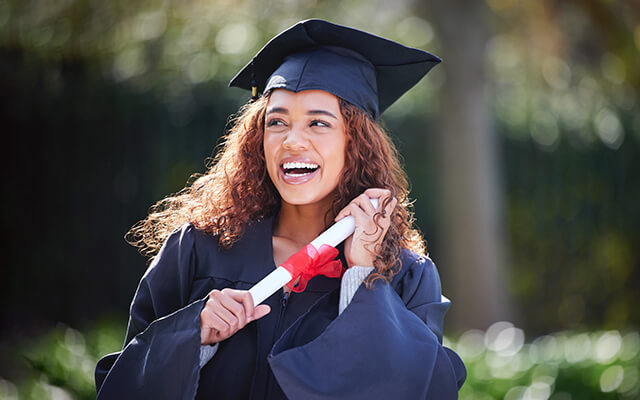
(301, 223)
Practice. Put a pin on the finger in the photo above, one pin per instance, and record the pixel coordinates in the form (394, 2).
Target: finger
(244, 297)
(385, 219)
(364, 223)
(205, 333)
(226, 315)
(377, 192)
(212, 321)
(383, 196)
(235, 307)
(261, 311)
(358, 213)
(364, 202)
(343, 213)
(219, 328)
(371, 193)
(391, 206)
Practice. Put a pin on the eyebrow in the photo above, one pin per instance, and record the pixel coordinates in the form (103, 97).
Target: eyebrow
(310, 112)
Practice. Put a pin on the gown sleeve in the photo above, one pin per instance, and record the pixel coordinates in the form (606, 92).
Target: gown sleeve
(161, 355)
(386, 344)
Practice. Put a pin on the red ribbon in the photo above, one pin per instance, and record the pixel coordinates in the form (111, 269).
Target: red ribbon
(309, 262)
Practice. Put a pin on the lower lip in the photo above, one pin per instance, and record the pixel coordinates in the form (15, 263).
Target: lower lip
(297, 180)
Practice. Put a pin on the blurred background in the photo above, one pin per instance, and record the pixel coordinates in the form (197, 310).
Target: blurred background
(522, 147)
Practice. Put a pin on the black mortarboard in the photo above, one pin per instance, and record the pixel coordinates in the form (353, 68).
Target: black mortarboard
(366, 70)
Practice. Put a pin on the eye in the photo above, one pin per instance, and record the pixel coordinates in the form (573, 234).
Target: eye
(275, 122)
(321, 124)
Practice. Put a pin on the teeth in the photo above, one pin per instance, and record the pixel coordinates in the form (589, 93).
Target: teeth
(292, 165)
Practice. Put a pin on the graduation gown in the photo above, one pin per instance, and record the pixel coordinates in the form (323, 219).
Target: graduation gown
(386, 343)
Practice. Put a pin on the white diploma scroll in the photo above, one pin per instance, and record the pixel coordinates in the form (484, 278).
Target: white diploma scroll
(333, 236)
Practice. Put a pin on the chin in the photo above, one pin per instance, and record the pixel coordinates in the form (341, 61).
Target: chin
(299, 200)
(302, 199)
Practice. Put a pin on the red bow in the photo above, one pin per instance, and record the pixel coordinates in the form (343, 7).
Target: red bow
(309, 262)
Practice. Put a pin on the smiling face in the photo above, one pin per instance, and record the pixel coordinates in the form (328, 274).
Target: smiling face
(304, 145)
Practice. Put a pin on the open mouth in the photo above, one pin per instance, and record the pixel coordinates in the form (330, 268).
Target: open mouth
(298, 169)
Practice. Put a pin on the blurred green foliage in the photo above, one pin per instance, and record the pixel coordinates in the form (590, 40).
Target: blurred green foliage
(60, 364)
(500, 364)
(561, 366)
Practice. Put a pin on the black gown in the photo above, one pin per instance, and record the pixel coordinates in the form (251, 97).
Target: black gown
(386, 344)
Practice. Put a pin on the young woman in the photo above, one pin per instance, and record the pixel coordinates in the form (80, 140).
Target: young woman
(306, 153)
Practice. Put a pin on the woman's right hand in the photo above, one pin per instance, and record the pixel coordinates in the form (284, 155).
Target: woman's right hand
(226, 312)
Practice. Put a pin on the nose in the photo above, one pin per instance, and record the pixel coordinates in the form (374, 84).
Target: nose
(296, 140)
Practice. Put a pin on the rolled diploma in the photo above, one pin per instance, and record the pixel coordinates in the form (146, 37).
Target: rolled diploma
(333, 236)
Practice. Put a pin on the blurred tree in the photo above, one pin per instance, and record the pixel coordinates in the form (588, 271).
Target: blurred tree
(548, 71)
(469, 187)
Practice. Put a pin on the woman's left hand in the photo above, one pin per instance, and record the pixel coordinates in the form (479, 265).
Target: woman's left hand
(364, 245)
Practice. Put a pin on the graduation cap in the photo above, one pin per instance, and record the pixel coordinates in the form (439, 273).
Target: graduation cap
(366, 70)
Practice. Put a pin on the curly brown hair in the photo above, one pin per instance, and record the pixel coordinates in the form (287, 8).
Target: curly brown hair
(236, 189)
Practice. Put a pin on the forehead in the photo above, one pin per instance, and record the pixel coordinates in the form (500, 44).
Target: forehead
(303, 100)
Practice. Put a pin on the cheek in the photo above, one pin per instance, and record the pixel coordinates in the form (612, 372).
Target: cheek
(269, 150)
(338, 160)
(342, 153)
(269, 159)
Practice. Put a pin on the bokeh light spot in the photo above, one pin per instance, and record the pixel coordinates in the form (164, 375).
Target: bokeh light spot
(607, 347)
(202, 67)
(193, 37)
(630, 380)
(415, 31)
(150, 25)
(471, 344)
(609, 128)
(556, 73)
(515, 393)
(236, 38)
(630, 346)
(539, 390)
(577, 348)
(611, 378)
(544, 129)
(129, 63)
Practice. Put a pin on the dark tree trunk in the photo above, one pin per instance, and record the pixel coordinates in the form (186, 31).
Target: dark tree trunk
(472, 243)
